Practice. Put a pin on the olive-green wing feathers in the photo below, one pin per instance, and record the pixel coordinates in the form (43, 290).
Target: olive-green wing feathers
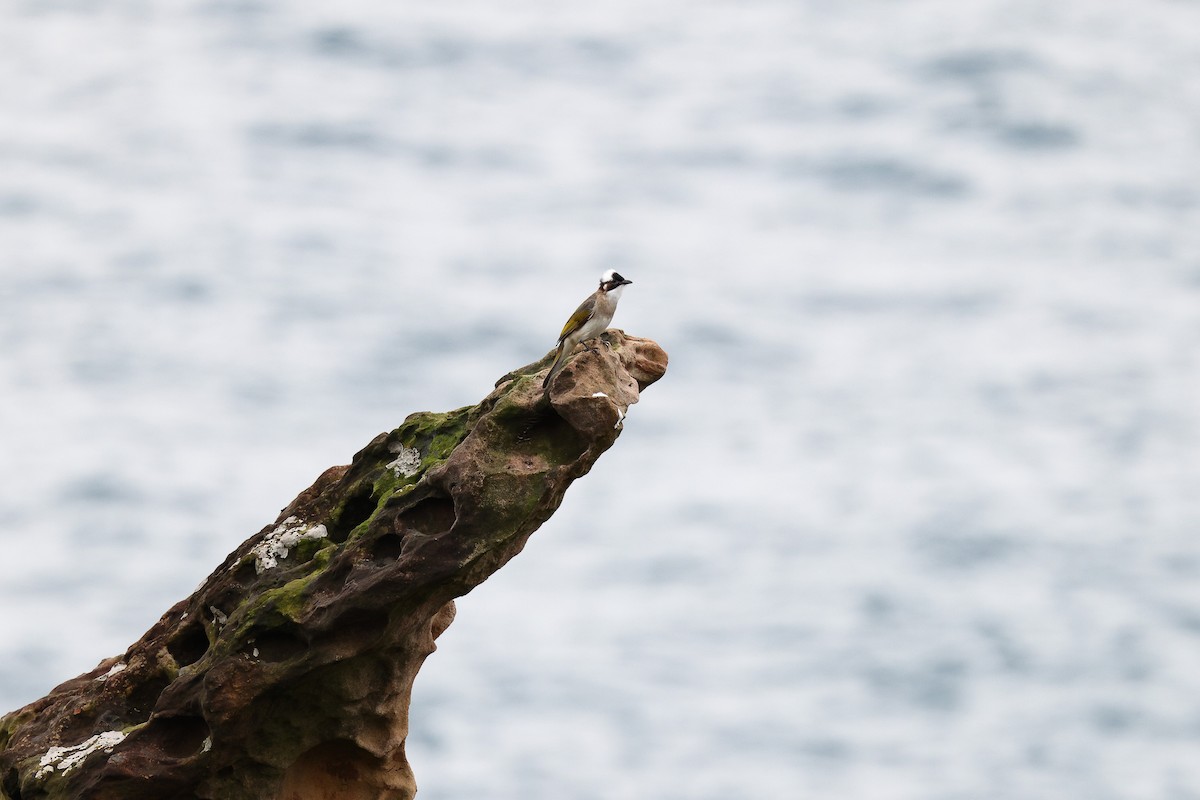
(578, 318)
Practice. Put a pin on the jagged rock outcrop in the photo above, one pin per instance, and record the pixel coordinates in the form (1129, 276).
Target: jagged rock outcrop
(288, 673)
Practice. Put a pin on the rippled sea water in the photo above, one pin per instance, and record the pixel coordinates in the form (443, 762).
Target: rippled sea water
(912, 515)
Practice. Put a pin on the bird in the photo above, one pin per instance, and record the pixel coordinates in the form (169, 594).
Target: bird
(589, 320)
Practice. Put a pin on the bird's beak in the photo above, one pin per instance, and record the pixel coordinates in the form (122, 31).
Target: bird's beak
(625, 282)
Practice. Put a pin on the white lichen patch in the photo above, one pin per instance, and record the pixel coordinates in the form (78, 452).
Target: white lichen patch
(407, 463)
(620, 417)
(280, 541)
(599, 394)
(118, 667)
(65, 759)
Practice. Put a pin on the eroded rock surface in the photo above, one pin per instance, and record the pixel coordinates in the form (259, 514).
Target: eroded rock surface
(288, 673)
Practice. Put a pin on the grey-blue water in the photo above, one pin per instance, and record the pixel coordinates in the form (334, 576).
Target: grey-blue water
(914, 512)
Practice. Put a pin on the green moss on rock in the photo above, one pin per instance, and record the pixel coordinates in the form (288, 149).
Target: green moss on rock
(435, 435)
(281, 605)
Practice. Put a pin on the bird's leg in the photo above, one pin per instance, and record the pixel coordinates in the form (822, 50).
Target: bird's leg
(602, 337)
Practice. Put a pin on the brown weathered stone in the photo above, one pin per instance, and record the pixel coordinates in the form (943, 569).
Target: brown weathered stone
(288, 673)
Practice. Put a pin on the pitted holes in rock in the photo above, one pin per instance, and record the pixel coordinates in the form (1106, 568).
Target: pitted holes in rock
(12, 784)
(144, 696)
(189, 644)
(358, 509)
(386, 547)
(277, 644)
(245, 573)
(343, 770)
(333, 579)
(431, 516)
(176, 737)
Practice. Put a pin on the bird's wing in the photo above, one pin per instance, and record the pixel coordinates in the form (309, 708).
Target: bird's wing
(578, 318)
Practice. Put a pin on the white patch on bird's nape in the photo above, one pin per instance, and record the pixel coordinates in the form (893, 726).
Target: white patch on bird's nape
(609, 275)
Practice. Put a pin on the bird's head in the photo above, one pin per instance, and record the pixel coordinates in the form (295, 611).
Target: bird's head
(612, 280)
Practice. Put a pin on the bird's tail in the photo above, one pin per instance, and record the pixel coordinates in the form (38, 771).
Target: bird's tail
(560, 358)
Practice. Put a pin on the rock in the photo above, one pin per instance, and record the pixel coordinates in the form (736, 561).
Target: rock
(288, 673)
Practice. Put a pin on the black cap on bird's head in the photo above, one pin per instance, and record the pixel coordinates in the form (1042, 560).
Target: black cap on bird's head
(611, 280)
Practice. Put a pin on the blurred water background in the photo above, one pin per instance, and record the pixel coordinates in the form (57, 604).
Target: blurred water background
(913, 513)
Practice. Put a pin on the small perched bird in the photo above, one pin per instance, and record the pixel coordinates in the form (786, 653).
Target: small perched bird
(589, 320)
